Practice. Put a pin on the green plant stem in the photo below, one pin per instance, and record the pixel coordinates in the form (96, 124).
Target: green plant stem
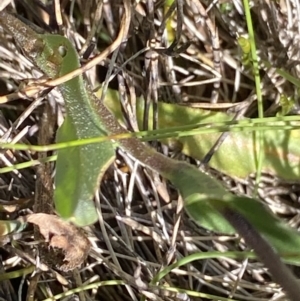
(259, 134)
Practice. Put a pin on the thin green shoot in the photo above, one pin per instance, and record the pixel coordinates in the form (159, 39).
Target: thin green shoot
(259, 135)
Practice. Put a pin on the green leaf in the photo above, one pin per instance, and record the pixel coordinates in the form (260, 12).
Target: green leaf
(78, 173)
(199, 192)
(237, 156)
(79, 170)
(283, 238)
(204, 199)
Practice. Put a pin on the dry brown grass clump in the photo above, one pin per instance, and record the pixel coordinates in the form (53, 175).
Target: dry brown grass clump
(186, 52)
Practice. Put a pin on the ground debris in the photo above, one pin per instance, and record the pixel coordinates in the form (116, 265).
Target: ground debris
(64, 236)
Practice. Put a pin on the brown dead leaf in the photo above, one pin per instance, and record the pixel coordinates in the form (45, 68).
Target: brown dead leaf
(64, 236)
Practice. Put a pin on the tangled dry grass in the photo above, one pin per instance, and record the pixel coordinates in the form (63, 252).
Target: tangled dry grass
(177, 51)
